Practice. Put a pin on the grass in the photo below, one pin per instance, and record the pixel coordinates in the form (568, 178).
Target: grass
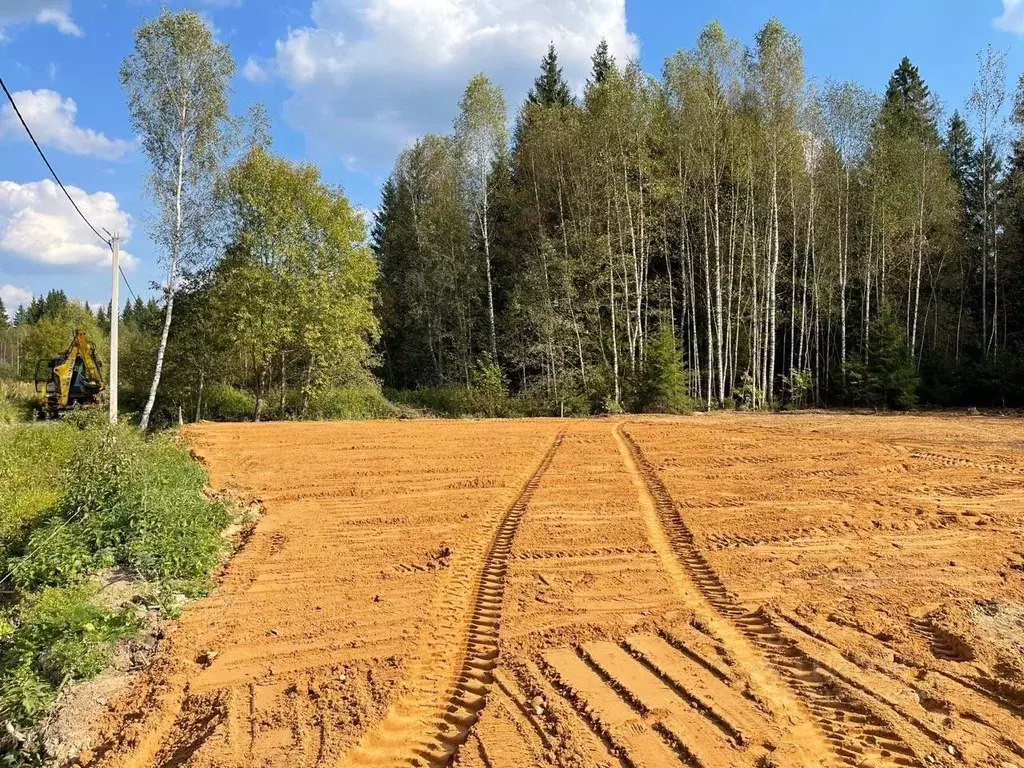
(76, 497)
(17, 401)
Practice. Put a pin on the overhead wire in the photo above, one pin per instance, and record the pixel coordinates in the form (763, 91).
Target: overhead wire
(56, 178)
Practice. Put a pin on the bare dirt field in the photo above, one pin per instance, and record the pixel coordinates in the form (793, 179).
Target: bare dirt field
(714, 590)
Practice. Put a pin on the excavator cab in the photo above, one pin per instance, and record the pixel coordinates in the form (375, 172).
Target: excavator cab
(71, 379)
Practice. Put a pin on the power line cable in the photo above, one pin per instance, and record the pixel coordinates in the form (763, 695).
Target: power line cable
(126, 283)
(52, 172)
(56, 178)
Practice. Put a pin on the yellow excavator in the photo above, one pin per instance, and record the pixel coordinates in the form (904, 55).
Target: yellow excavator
(71, 379)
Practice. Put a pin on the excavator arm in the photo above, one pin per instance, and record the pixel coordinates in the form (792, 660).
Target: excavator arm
(75, 376)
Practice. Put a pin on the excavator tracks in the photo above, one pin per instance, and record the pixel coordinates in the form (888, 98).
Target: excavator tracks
(422, 730)
(855, 734)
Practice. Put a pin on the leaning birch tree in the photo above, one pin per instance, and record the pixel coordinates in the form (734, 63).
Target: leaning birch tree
(176, 81)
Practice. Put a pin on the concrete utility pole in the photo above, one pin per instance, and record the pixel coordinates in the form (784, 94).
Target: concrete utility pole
(115, 310)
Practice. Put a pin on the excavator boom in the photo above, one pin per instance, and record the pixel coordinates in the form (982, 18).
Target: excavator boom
(73, 378)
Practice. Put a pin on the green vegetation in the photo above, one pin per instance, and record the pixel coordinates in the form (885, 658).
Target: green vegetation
(78, 497)
(889, 379)
(17, 401)
(660, 385)
(54, 636)
(352, 403)
(785, 232)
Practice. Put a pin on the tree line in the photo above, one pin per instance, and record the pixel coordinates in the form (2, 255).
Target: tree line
(801, 242)
(728, 234)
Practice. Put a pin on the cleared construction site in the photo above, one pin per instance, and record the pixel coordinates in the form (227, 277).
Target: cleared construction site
(712, 590)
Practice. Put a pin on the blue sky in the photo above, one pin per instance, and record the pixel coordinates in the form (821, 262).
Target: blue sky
(347, 83)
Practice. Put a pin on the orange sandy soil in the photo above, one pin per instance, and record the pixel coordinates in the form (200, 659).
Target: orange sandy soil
(723, 590)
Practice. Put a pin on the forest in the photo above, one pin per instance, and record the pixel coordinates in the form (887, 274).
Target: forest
(805, 242)
(732, 233)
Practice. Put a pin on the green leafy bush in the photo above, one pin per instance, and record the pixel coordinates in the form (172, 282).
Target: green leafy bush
(351, 403)
(486, 397)
(128, 500)
(226, 403)
(77, 496)
(797, 386)
(56, 635)
(451, 402)
(489, 389)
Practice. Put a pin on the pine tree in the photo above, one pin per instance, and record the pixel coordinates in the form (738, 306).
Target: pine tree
(550, 88)
(602, 63)
(4, 322)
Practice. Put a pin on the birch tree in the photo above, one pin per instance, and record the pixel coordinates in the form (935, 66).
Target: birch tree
(987, 99)
(778, 80)
(482, 138)
(176, 81)
(848, 111)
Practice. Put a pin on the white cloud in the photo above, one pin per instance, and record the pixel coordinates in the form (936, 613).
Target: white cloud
(52, 120)
(55, 12)
(253, 71)
(1012, 19)
(14, 297)
(61, 20)
(37, 223)
(370, 75)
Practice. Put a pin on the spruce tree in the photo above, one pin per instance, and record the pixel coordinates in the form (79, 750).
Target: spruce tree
(908, 106)
(602, 63)
(382, 218)
(959, 146)
(103, 318)
(660, 386)
(4, 322)
(891, 379)
(550, 88)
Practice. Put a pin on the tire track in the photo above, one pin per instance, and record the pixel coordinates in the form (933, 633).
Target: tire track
(943, 645)
(959, 461)
(428, 732)
(855, 735)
